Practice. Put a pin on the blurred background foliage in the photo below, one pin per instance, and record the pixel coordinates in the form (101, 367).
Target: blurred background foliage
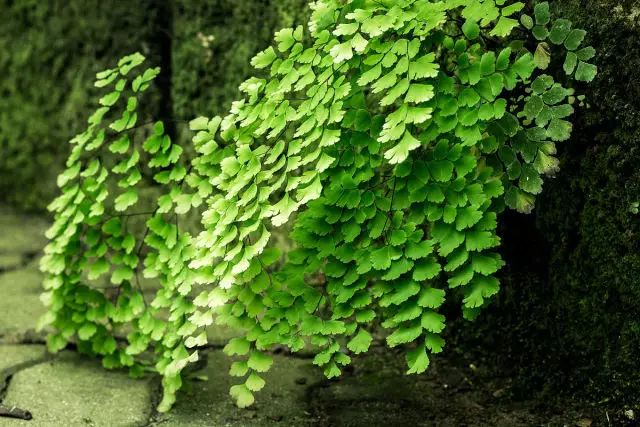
(51, 50)
(568, 317)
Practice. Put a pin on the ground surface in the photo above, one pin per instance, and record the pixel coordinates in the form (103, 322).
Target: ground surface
(70, 390)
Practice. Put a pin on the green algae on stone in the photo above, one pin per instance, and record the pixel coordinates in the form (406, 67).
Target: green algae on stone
(14, 357)
(21, 233)
(20, 305)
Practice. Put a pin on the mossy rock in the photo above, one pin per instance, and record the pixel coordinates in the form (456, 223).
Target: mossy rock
(568, 318)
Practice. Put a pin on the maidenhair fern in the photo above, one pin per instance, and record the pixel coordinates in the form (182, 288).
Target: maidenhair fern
(389, 136)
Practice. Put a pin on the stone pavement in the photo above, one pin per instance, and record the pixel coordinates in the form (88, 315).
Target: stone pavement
(71, 390)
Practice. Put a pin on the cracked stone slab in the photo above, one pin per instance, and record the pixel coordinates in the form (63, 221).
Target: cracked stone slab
(282, 401)
(21, 233)
(10, 261)
(20, 305)
(72, 390)
(14, 356)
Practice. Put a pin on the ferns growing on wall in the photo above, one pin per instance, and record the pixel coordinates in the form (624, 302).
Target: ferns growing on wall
(388, 135)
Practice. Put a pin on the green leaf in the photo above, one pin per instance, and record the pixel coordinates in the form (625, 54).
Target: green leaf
(486, 265)
(540, 32)
(542, 83)
(361, 342)
(527, 21)
(431, 297)
(404, 335)
(471, 30)
(541, 57)
(518, 200)
(400, 152)
(419, 93)
(574, 39)
(559, 31)
(468, 97)
(197, 124)
(332, 371)
(504, 27)
(110, 99)
(586, 53)
(441, 170)
(121, 274)
(533, 107)
(502, 63)
(264, 58)
(259, 361)
(242, 395)
(488, 63)
(524, 66)
(480, 240)
(426, 269)
(112, 227)
(239, 369)
(432, 321)
(570, 62)
(530, 180)
(586, 72)
(398, 237)
(512, 8)
(542, 13)
(467, 217)
(481, 288)
(120, 146)
(434, 343)
(126, 200)
(127, 63)
(86, 331)
(98, 268)
(237, 346)
(254, 382)
(559, 130)
(417, 360)
(342, 52)
(419, 250)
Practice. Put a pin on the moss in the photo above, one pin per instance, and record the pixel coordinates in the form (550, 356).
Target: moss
(51, 51)
(56, 47)
(568, 318)
(213, 43)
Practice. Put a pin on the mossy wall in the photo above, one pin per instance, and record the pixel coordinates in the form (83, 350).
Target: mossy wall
(49, 54)
(51, 51)
(568, 317)
(213, 43)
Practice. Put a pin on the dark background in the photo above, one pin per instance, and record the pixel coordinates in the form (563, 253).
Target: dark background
(568, 318)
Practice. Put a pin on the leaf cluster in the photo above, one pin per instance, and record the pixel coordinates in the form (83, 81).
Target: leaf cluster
(389, 136)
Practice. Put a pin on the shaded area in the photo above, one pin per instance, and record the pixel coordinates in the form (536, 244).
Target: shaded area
(454, 392)
(568, 317)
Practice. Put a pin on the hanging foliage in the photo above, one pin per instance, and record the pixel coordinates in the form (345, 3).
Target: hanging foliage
(390, 135)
